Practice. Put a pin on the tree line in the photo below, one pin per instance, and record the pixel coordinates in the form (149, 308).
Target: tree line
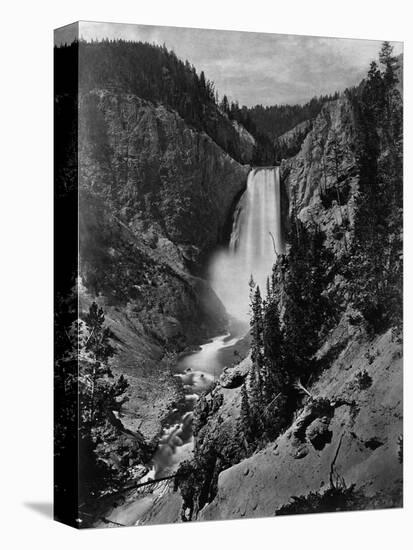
(275, 120)
(291, 317)
(88, 400)
(288, 323)
(156, 74)
(375, 268)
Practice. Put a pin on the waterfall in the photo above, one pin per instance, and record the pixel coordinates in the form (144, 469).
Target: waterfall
(256, 238)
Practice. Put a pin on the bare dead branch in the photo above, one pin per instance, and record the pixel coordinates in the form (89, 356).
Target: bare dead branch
(298, 386)
(271, 402)
(332, 469)
(273, 242)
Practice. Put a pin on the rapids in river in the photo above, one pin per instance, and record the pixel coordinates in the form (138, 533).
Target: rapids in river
(256, 238)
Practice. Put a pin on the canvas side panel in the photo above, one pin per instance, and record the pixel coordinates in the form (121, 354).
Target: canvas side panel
(66, 64)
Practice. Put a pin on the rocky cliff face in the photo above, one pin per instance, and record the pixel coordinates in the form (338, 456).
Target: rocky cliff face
(321, 180)
(162, 176)
(155, 196)
(347, 430)
(289, 143)
(350, 425)
(247, 142)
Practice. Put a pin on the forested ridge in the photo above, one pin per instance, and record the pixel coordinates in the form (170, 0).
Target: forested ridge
(90, 398)
(292, 317)
(158, 75)
(376, 259)
(289, 319)
(275, 120)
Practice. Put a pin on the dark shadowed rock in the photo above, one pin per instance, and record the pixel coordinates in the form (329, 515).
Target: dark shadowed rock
(310, 180)
(235, 376)
(155, 199)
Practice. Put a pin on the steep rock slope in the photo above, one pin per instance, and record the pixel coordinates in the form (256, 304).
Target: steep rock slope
(289, 143)
(247, 142)
(155, 198)
(321, 180)
(158, 172)
(351, 424)
(156, 74)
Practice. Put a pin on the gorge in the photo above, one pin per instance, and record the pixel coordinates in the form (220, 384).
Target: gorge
(256, 239)
(249, 324)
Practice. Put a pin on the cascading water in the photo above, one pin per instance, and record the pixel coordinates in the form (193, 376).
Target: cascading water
(255, 240)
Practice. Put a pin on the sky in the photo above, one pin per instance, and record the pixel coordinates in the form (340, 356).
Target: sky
(255, 68)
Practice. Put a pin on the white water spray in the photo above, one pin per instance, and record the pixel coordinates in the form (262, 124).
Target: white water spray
(256, 239)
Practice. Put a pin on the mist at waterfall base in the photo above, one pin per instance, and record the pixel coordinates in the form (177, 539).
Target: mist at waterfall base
(256, 238)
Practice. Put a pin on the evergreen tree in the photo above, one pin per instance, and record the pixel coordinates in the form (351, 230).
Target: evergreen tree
(308, 312)
(202, 82)
(256, 326)
(256, 379)
(245, 413)
(276, 377)
(390, 63)
(251, 286)
(268, 289)
(100, 395)
(225, 104)
(256, 399)
(375, 266)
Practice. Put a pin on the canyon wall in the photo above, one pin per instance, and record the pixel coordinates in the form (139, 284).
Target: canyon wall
(321, 180)
(355, 435)
(350, 423)
(155, 197)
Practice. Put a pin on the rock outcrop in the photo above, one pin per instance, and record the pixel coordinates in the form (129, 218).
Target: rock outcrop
(289, 143)
(155, 197)
(347, 427)
(321, 180)
(235, 376)
(165, 179)
(347, 430)
(247, 143)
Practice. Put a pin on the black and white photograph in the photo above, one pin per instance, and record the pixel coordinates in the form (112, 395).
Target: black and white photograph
(228, 301)
(206, 300)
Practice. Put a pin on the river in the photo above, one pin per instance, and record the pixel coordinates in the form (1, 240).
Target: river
(256, 239)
